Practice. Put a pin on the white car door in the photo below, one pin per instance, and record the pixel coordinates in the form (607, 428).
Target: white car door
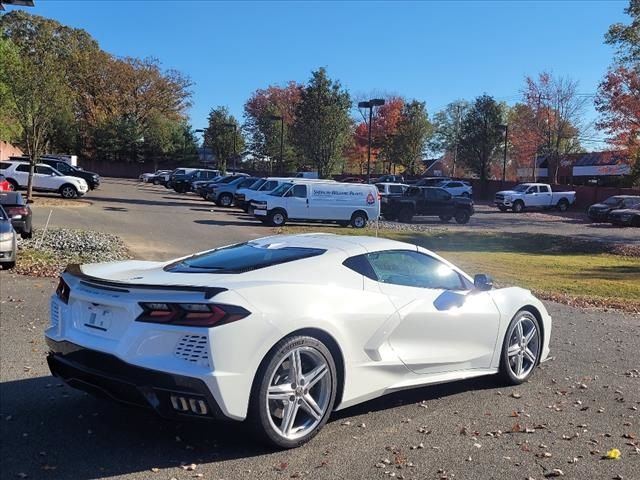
(297, 201)
(442, 325)
(21, 174)
(45, 178)
(544, 196)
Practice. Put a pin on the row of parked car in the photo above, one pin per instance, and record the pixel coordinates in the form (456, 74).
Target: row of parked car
(15, 219)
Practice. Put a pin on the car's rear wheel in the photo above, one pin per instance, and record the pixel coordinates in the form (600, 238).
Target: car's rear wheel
(445, 218)
(9, 265)
(462, 216)
(563, 205)
(277, 218)
(294, 392)
(521, 348)
(359, 220)
(405, 215)
(13, 185)
(68, 191)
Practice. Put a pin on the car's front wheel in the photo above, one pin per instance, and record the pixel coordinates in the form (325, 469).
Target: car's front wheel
(68, 191)
(294, 392)
(224, 200)
(277, 218)
(462, 216)
(521, 348)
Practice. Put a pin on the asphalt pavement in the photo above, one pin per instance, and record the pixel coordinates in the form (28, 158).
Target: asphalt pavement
(582, 403)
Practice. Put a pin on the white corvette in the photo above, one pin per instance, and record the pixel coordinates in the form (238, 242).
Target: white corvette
(283, 330)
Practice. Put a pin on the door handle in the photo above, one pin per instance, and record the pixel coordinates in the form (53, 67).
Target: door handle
(307, 201)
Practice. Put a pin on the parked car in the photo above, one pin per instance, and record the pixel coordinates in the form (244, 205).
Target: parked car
(8, 241)
(430, 181)
(244, 196)
(599, 212)
(352, 180)
(626, 217)
(533, 195)
(183, 183)
(155, 177)
(18, 211)
(280, 332)
(92, 179)
(45, 179)
(178, 172)
(205, 190)
(223, 193)
(427, 201)
(297, 200)
(4, 185)
(457, 188)
(389, 188)
(310, 175)
(389, 179)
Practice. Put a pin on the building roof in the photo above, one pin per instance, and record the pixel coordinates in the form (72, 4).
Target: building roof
(587, 159)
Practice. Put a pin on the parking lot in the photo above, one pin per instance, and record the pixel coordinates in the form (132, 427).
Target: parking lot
(576, 407)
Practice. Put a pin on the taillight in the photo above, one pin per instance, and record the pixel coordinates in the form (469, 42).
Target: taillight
(17, 211)
(63, 291)
(190, 314)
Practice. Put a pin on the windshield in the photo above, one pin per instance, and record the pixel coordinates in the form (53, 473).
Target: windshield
(243, 257)
(281, 190)
(612, 201)
(257, 184)
(521, 188)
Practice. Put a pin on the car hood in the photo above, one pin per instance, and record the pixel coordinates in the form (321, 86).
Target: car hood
(507, 192)
(601, 206)
(71, 179)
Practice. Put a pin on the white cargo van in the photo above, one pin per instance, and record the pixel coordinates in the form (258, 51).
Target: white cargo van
(319, 201)
(246, 197)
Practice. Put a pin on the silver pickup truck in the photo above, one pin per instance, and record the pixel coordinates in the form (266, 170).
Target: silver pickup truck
(533, 195)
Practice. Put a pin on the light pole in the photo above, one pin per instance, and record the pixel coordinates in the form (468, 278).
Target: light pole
(374, 102)
(235, 134)
(504, 159)
(203, 131)
(280, 118)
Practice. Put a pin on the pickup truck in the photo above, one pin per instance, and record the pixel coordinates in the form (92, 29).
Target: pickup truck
(533, 195)
(427, 201)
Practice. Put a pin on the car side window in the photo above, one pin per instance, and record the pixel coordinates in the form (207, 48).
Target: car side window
(23, 167)
(395, 189)
(544, 189)
(63, 167)
(438, 195)
(4, 165)
(414, 269)
(44, 170)
(299, 191)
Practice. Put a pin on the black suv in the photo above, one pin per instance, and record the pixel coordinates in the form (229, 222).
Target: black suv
(92, 179)
(427, 201)
(184, 183)
(599, 212)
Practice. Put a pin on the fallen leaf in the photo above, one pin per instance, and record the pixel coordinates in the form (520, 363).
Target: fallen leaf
(613, 454)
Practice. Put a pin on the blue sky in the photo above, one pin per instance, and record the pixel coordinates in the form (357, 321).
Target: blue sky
(432, 51)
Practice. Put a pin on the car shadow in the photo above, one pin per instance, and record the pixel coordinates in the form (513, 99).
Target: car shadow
(80, 436)
(229, 222)
(137, 201)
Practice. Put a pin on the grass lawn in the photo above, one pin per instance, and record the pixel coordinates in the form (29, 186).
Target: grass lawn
(557, 268)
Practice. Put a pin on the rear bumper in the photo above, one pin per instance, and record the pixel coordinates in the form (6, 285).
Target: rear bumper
(169, 395)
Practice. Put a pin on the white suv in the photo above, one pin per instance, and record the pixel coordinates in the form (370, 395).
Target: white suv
(45, 179)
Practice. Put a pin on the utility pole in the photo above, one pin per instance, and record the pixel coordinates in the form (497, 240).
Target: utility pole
(375, 102)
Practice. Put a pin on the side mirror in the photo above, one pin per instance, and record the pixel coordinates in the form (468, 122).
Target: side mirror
(482, 282)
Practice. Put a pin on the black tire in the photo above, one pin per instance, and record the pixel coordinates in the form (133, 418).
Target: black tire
(156, 181)
(505, 373)
(390, 217)
(563, 205)
(518, 206)
(445, 218)
(27, 235)
(224, 200)
(277, 218)
(359, 220)
(259, 415)
(13, 185)
(9, 265)
(462, 216)
(68, 191)
(405, 215)
(502, 208)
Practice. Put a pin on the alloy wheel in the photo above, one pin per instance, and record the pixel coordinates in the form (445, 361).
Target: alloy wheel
(299, 393)
(523, 346)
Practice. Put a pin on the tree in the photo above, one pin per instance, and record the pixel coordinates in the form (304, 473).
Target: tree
(524, 139)
(480, 135)
(413, 131)
(557, 110)
(626, 38)
(446, 132)
(220, 137)
(322, 124)
(264, 133)
(38, 93)
(9, 126)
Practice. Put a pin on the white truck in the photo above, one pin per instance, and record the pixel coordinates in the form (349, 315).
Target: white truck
(320, 201)
(533, 195)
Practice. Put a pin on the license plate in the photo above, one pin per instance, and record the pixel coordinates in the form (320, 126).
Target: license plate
(99, 318)
(260, 213)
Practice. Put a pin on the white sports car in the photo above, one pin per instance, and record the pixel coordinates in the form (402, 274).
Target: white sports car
(283, 330)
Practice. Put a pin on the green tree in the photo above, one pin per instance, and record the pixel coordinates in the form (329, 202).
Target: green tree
(446, 131)
(9, 126)
(626, 38)
(322, 127)
(219, 135)
(480, 135)
(413, 131)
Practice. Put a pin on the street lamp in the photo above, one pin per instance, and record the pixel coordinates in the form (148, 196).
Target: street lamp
(375, 102)
(203, 131)
(280, 118)
(235, 134)
(504, 160)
